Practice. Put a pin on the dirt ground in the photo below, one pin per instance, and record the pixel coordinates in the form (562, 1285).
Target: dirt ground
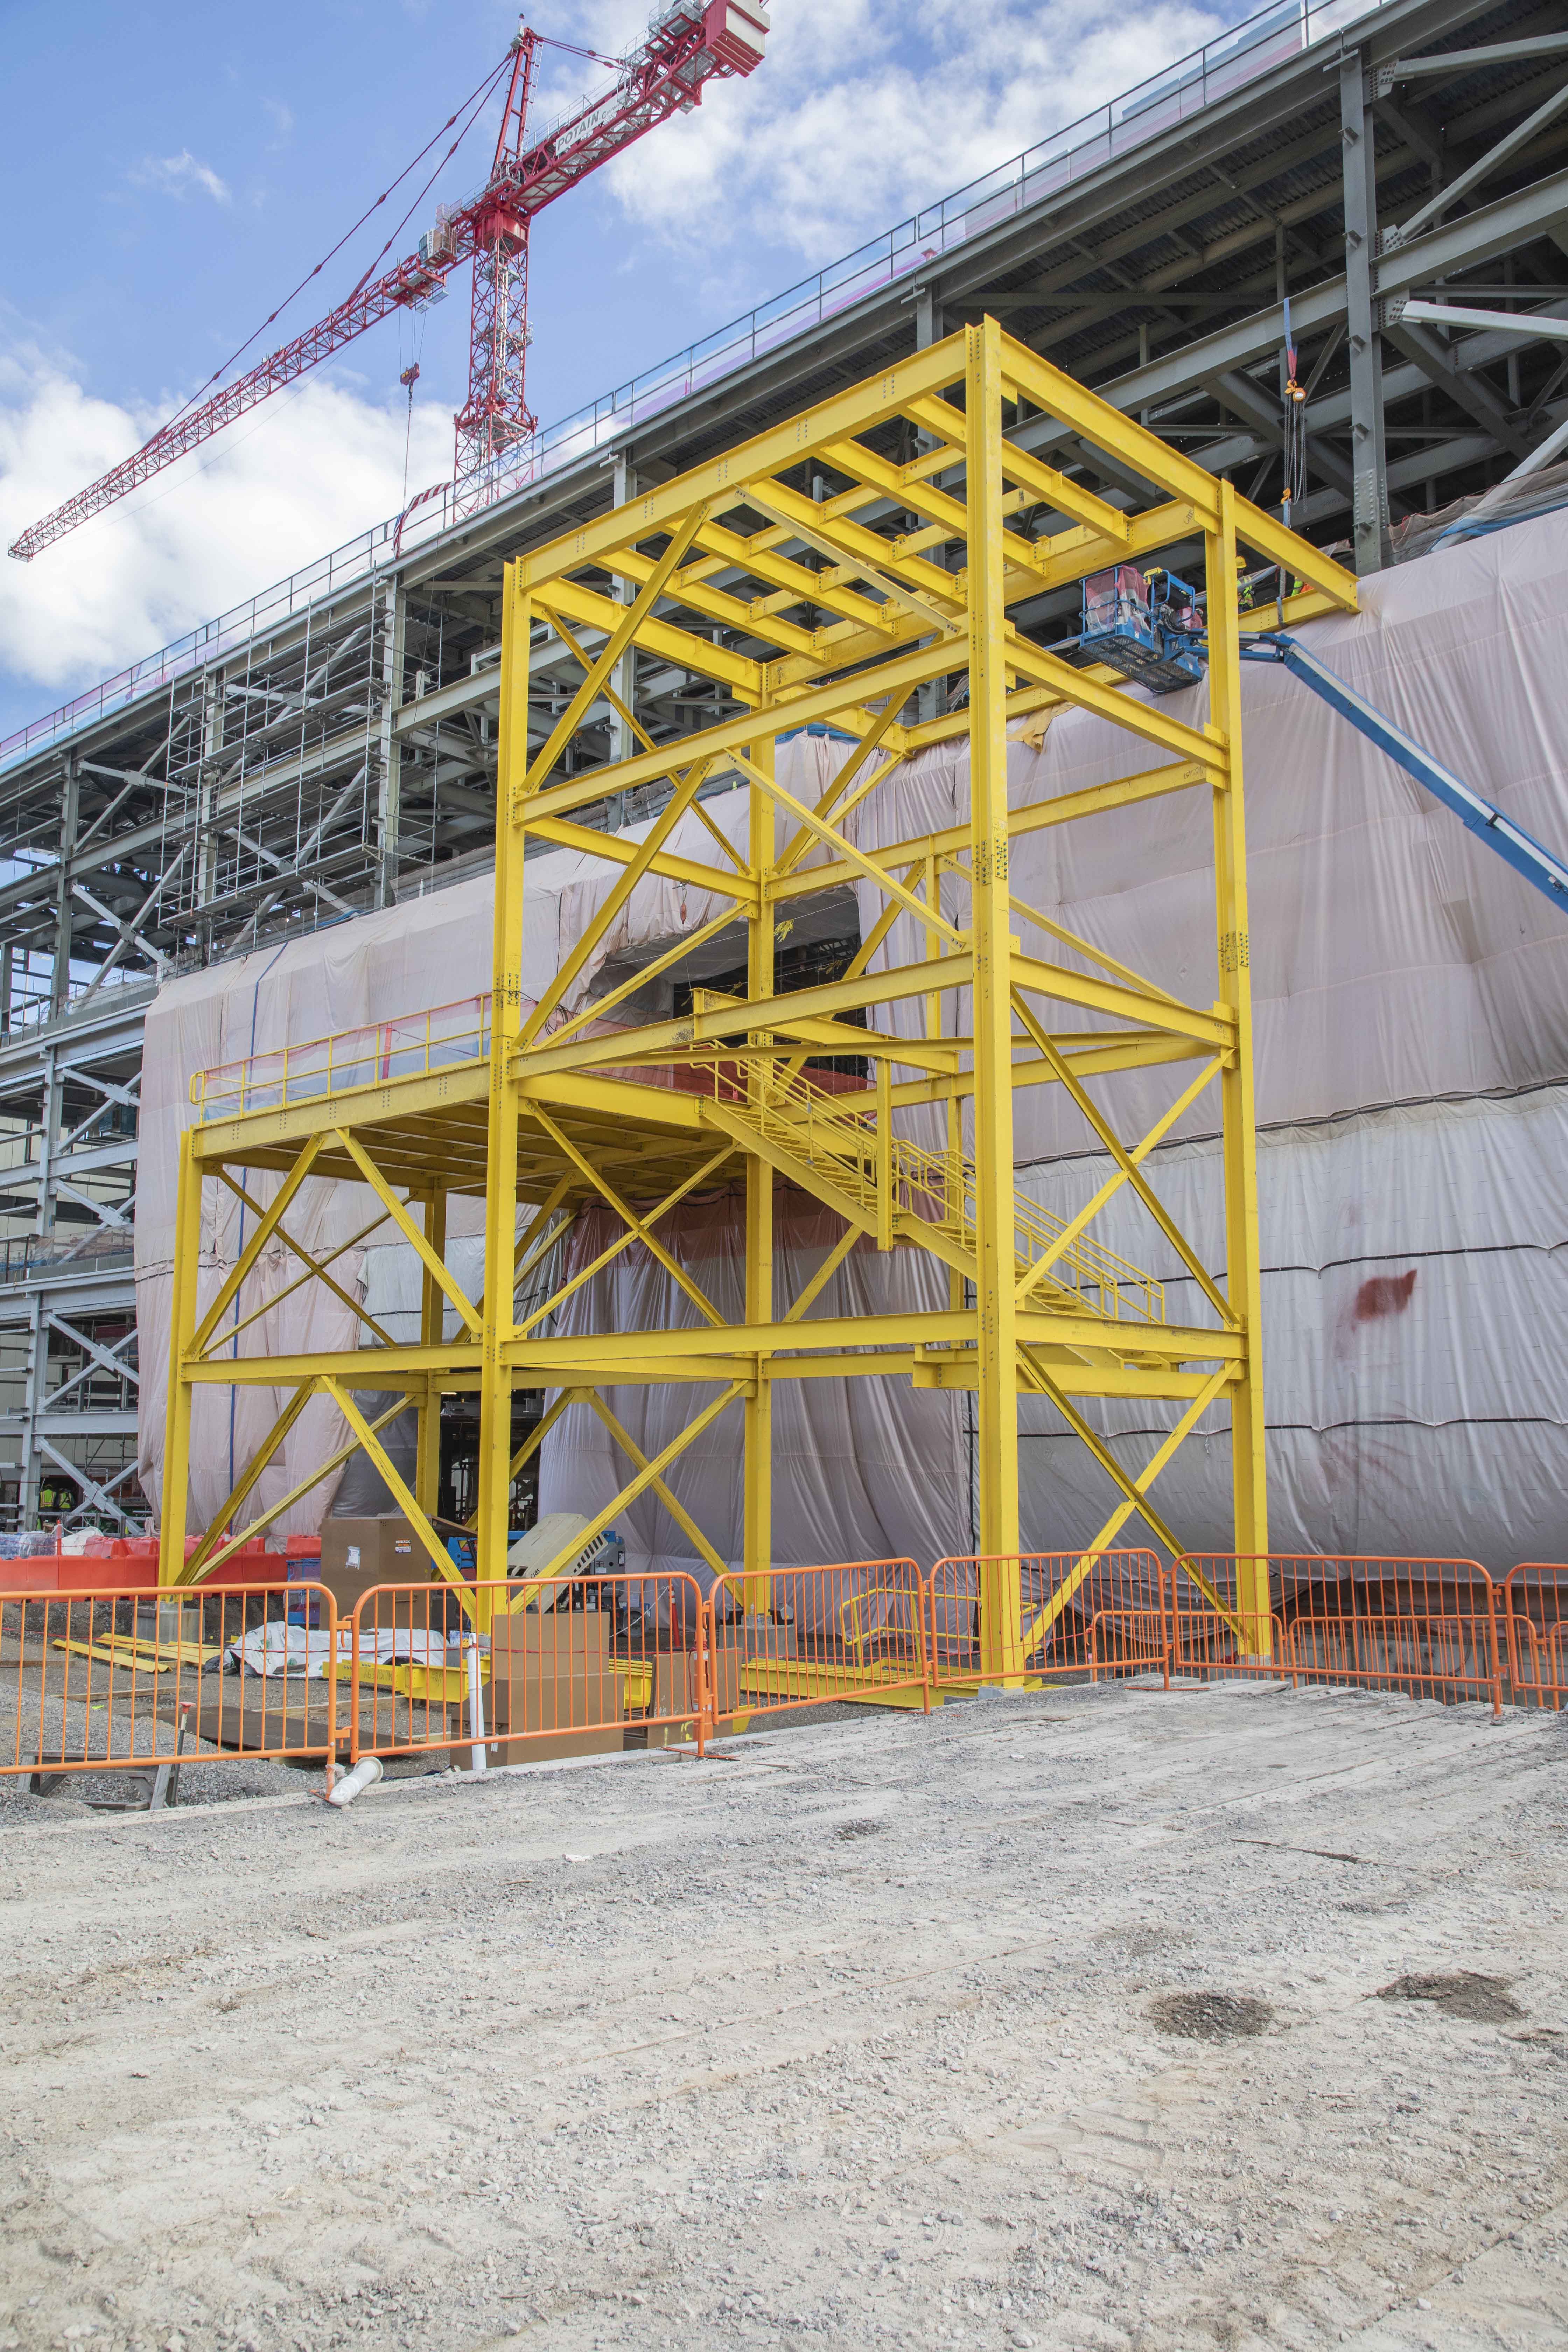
(1049, 2021)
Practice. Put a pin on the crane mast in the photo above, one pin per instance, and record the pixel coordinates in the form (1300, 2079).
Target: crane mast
(688, 44)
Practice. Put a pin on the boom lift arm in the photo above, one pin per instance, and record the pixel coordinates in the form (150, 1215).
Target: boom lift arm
(1152, 630)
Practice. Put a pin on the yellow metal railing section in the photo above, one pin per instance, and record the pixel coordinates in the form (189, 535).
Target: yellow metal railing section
(900, 1186)
(413, 1045)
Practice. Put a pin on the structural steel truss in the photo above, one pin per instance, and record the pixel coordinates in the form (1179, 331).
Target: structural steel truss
(534, 1108)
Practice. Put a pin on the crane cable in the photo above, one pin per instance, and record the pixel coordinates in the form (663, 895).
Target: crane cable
(475, 100)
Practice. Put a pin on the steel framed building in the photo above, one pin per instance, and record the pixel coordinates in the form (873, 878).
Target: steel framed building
(333, 746)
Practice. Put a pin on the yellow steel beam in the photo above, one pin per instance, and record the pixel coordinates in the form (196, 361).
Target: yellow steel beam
(266, 1225)
(639, 1461)
(646, 1043)
(718, 482)
(1037, 979)
(651, 1473)
(736, 673)
(1117, 704)
(624, 632)
(315, 1269)
(614, 851)
(572, 1358)
(275, 1511)
(411, 1233)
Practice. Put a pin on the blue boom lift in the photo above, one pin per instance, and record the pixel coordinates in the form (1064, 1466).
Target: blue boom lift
(1152, 628)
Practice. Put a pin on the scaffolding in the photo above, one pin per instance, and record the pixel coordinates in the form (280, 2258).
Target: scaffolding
(896, 638)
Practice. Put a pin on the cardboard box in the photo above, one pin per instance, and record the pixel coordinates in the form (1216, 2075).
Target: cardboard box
(581, 1713)
(389, 1550)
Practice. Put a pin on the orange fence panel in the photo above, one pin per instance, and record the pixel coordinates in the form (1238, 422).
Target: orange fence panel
(1533, 1623)
(108, 1679)
(853, 1629)
(1426, 1626)
(578, 1666)
(1079, 1612)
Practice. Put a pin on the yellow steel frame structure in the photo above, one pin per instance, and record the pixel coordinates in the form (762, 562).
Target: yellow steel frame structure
(844, 622)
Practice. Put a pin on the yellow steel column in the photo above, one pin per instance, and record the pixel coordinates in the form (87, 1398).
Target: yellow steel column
(506, 1021)
(182, 1329)
(1001, 1653)
(759, 1407)
(1244, 1279)
(432, 1326)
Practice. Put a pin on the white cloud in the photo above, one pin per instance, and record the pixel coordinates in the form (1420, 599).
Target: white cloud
(304, 474)
(177, 176)
(863, 112)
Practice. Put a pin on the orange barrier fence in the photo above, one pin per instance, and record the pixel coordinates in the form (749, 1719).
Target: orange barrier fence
(1426, 1626)
(1532, 1617)
(123, 1678)
(856, 1629)
(1079, 1612)
(116, 1679)
(512, 1673)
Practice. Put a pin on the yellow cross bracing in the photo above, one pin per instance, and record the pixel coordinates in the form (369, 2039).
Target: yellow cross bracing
(811, 577)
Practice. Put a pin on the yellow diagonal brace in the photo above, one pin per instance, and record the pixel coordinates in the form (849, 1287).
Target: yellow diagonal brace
(620, 638)
(634, 1232)
(256, 1244)
(824, 1275)
(836, 840)
(441, 1558)
(535, 1439)
(287, 1502)
(1102, 1454)
(620, 890)
(645, 740)
(677, 1511)
(312, 1270)
(249, 1478)
(798, 843)
(628, 1494)
(644, 972)
(1058, 1600)
(1128, 1163)
(781, 509)
(400, 1217)
(316, 1269)
(628, 1216)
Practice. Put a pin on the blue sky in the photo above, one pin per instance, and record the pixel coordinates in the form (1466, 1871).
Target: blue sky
(170, 172)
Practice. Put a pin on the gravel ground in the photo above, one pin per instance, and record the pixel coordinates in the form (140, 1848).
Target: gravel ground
(1049, 2021)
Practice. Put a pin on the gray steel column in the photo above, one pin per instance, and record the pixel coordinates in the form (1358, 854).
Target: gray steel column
(205, 843)
(389, 780)
(51, 1132)
(1368, 458)
(31, 1463)
(60, 978)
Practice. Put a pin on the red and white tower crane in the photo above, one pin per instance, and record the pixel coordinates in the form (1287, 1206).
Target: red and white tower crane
(688, 44)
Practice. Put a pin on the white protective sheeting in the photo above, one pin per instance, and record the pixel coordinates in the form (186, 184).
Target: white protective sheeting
(1415, 1300)
(435, 951)
(1410, 990)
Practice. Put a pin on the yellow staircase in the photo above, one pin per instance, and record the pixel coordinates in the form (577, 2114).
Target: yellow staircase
(901, 1192)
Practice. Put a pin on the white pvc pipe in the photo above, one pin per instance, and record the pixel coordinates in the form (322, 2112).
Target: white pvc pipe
(365, 1775)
